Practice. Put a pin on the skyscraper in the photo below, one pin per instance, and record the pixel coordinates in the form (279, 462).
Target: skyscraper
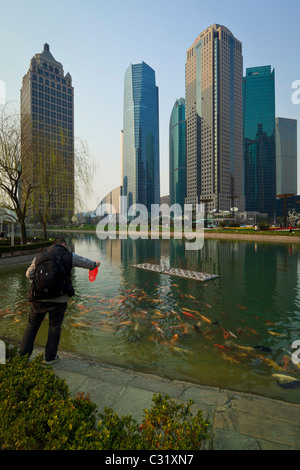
(141, 180)
(177, 154)
(214, 74)
(47, 135)
(259, 139)
(286, 156)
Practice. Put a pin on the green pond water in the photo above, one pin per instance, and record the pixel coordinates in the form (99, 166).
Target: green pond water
(173, 327)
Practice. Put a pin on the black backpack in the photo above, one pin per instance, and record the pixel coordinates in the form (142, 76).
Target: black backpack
(50, 278)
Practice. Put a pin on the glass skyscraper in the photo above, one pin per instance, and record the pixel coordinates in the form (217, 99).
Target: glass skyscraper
(286, 156)
(141, 179)
(259, 139)
(177, 154)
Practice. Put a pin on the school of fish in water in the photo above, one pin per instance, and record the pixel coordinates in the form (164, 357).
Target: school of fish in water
(135, 315)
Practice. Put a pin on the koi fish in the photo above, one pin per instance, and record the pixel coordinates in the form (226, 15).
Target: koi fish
(209, 306)
(232, 334)
(189, 314)
(252, 331)
(285, 360)
(225, 333)
(159, 313)
(175, 348)
(159, 330)
(196, 328)
(271, 363)
(263, 348)
(243, 308)
(276, 334)
(294, 384)
(79, 324)
(268, 322)
(204, 318)
(243, 348)
(225, 348)
(174, 339)
(283, 378)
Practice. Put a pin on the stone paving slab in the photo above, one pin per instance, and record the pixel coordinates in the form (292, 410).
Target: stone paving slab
(239, 421)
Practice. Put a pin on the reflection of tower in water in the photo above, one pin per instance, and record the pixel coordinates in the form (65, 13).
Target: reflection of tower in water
(135, 252)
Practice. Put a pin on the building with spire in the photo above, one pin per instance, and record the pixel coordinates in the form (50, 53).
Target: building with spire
(47, 136)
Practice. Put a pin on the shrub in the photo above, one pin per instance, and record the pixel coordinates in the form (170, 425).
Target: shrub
(263, 225)
(29, 246)
(37, 413)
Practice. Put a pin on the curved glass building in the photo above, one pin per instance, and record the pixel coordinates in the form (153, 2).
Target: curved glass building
(141, 180)
(177, 154)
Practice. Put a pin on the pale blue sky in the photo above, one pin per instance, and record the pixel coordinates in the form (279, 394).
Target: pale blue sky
(97, 40)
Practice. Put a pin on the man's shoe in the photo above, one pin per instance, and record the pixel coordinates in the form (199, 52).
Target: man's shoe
(52, 361)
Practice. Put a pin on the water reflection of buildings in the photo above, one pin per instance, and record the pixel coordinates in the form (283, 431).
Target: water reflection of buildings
(263, 278)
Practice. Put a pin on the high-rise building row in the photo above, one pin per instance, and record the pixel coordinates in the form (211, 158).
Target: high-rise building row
(141, 178)
(259, 139)
(214, 74)
(286, 156)
(47, 136)
(177, 154)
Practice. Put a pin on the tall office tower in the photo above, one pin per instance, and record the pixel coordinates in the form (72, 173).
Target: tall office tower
(177, 154)
(141, 180)
(286, 156)
(47, 136)
(259, 139)
(214, 74)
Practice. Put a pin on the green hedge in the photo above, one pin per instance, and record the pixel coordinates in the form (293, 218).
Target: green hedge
(30, 246)
(37, 413)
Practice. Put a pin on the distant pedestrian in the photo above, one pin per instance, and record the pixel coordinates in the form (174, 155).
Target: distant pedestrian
(290, 228)
(51, 288)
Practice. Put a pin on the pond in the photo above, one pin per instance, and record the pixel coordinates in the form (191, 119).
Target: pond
(233, 332)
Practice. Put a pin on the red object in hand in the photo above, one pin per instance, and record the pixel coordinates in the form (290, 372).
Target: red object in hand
(93, 274)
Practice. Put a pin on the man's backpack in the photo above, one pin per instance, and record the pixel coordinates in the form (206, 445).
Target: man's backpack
(49, 279)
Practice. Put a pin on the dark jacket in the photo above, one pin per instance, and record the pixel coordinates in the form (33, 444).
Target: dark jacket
(64, 256)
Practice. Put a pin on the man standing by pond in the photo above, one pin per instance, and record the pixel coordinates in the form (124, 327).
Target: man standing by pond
(50, 275)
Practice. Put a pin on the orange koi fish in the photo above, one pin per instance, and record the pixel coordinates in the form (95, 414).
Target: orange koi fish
(240, 306)
(174, 339)
(189, 314)
(204, 318)
(225, 348)
(285, 360)
(252, 331)
(276, 334)
(225, 333)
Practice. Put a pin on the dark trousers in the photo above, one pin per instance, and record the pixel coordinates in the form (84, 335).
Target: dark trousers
(38, 311)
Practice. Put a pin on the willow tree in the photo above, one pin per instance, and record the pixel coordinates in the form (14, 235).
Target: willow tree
(62, 179)
(12, 176)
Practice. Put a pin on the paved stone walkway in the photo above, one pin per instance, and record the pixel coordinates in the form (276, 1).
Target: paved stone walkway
(239, 421)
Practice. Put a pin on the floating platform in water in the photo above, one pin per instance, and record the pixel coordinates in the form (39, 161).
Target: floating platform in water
(186, 274)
